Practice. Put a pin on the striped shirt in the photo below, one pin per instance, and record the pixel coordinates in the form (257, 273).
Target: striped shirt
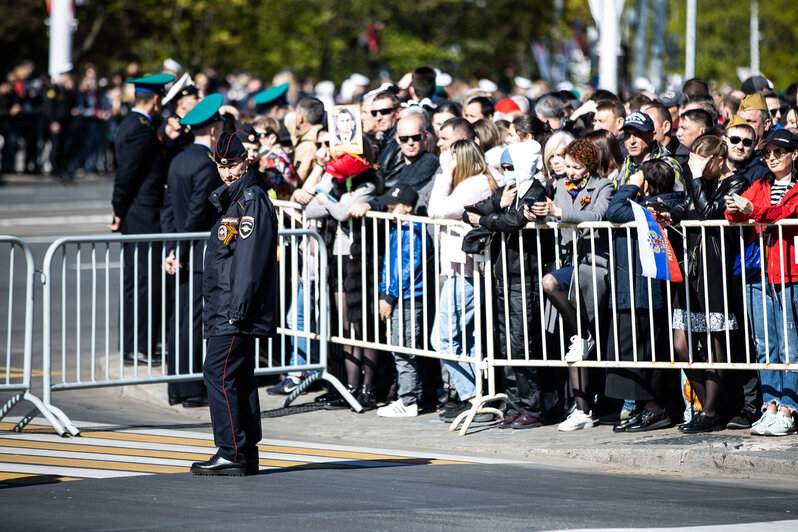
(778, 190)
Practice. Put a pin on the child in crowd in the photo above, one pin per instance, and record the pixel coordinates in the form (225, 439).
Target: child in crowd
(401, 297)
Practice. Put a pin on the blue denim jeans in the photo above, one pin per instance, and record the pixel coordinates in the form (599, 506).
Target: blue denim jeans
(454, 324)
(303, 349)
(778, 386)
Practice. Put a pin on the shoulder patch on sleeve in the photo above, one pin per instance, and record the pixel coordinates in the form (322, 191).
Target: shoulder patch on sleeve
(252, 194)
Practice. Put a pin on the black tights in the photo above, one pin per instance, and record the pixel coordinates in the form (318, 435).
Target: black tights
(358, 360)
(559, 300)
(707, 384)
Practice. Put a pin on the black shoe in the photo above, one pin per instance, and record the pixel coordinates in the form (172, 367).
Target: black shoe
(741, 421)
(326, 396)
(175, 400)
(507, 421)
(141, 359)
(614, 418)
(218, 466)
(448, 416)
(650, 421)
(624, 426)
(526, 421)
(366, 398)
(338, 400)
(195, 402)
(702, 423)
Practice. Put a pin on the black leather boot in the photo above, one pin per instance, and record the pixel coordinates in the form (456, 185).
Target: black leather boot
(338, 401)
(366, 398)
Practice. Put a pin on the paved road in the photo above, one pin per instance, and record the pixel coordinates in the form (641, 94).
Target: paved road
(116, 478)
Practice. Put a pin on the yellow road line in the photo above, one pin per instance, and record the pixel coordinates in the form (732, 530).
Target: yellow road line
(149, 438)
(123, 451)
(90, 464)
(29, 478)
(38, 429)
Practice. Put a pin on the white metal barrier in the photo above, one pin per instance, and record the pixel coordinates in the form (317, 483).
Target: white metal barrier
(84, 313)
(17, 366)
(585, 293)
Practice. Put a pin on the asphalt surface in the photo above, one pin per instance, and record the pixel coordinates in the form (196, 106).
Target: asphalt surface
(514, 479)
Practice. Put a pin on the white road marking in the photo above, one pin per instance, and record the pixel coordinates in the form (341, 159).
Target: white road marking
(78, 219)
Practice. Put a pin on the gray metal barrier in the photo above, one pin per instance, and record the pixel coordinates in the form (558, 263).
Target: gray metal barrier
(84, 314)
(17, 343)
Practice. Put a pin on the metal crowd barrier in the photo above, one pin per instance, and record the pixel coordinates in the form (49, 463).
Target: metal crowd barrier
(490, 355)
(17, 366)
(84, 313)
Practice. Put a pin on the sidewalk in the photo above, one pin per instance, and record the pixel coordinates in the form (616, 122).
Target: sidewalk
(721, 454)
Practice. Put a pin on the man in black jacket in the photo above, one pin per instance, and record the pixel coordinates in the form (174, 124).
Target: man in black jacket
(386, 111)
(137, 202)
(240, 291)
(192, 178)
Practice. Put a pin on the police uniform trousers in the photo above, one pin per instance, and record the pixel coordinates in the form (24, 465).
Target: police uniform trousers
(142, 283)
(233, 395)
(185, 336)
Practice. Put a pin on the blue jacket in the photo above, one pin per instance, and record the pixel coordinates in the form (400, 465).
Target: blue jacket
(389, 283)
(240, 280)
(620, 211)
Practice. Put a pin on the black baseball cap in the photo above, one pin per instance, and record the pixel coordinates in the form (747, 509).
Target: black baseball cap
(783, 139)
(404, 194)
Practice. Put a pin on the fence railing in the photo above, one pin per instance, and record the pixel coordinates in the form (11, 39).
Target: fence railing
(16, 368)
(84, 302)
(84, 315)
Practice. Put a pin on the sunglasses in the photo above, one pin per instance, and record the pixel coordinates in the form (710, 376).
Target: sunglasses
(746, 142)
(383, 112)
(414, 138)
(778, 154)
(325, 144)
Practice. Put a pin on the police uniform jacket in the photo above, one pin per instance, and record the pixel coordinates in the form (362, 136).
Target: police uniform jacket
(187, 208)
(139, 183)
(240, 280)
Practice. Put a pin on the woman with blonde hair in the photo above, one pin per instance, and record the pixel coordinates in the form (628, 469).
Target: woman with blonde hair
(464, 180)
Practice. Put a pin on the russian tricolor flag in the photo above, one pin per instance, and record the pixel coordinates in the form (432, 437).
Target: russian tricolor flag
(656, 253)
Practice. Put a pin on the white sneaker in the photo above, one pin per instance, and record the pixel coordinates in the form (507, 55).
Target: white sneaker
(577, 420)
(758, 427)
(782, 425)
(398, 409)
(580, 348)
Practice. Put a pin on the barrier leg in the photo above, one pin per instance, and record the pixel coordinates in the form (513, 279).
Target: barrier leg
(65, 420)
(39, 407)
(309, 379)
(10, 404)
(479, 408)
(323, 375)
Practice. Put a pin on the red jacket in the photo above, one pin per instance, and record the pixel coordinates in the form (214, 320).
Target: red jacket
(764, 212)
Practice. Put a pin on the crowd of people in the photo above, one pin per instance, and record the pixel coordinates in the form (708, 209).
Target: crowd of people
(498, 162)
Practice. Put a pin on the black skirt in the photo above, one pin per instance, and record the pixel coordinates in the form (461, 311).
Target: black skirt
(632, 383)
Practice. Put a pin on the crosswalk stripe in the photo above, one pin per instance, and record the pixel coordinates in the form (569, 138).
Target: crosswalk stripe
(91, 464)
(37, 454)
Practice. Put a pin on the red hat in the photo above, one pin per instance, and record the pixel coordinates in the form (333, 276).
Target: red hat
(506, 105)
(345, 166)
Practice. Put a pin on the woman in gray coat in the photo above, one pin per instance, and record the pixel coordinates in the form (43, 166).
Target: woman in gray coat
(581, 196)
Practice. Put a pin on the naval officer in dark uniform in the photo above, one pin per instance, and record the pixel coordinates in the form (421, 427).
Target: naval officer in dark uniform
(240, 291)
(137, 202)
(187, 208)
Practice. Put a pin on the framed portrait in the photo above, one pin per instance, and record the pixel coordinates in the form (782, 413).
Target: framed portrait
(346, 131)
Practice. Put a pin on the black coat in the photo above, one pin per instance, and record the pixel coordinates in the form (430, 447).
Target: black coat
(391, 160)
(139, 182)
(706, 201)
(192, 178)
(508, 222)
(240, 281)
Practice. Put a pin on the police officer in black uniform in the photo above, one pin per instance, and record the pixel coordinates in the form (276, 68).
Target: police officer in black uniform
(191, 180)
(240, 291)
(137, 202)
